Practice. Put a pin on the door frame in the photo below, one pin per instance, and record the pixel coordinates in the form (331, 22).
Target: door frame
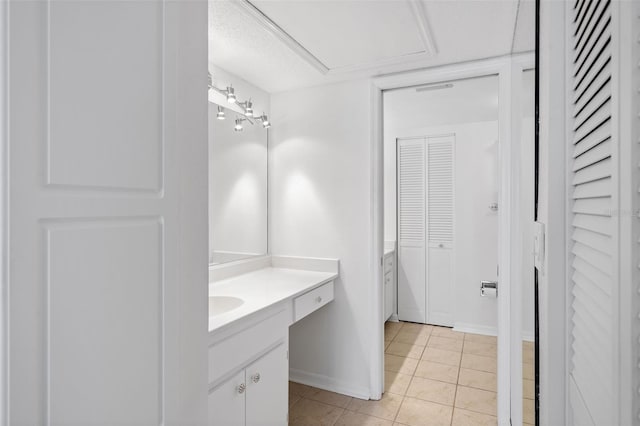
(509, 70)
(4, 234)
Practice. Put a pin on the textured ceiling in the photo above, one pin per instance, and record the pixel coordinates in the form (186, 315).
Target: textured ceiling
(373, 37)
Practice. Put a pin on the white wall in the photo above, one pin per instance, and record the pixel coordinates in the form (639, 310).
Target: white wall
(237, 176)
(320, 189)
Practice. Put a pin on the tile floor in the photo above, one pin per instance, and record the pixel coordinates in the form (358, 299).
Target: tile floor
(433, 376)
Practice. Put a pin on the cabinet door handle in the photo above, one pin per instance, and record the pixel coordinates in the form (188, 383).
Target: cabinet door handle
(241, 388)
(255, 378)
(318, 299)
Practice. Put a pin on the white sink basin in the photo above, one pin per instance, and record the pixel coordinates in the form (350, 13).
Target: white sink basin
(222, 304)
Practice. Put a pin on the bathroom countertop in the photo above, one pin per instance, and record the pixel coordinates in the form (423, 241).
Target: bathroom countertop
(261, 289)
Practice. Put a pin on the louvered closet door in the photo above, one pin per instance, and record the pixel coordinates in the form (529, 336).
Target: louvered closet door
(440, 178)
(411, 230)
(592, 371)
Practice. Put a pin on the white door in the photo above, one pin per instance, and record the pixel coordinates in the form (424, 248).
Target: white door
(440, 214)
(107, 203)
(411, 230)
(227, 402)
(268, 389)
(425, 230)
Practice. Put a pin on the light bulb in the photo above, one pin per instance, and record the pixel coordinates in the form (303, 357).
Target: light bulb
(265, 121)
(231, 96)
(248, 109)
(238, 127)
(220, 115)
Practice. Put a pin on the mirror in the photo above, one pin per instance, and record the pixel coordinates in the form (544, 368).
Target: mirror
(237, 174)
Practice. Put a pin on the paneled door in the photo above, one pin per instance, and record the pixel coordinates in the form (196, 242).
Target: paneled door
(107, 213)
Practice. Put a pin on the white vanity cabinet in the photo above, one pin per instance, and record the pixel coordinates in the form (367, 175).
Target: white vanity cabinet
(257, 395)
(389, 284)
(267, 395)
(249, 342)
(227, 402)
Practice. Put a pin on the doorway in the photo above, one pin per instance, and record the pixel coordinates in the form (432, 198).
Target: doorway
(511, 224)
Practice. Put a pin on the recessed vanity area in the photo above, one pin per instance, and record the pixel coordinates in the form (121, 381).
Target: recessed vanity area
(252, 303)
(254, 297)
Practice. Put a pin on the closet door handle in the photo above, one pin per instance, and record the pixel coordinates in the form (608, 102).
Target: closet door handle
(255, 378)
(241, 388)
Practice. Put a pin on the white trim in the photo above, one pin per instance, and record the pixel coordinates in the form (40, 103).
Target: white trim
(553, 294)
(417, 59)
(376, 365)
(4, 211)
(328, 383)
(629, 249)
(491, 66)
(422, 21)
(281, 35)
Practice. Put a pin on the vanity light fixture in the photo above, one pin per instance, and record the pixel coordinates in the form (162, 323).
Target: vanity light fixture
(220, 115)
(265, 121)
(231, 95)
(238, 127)
(248, 108)
(246, 114)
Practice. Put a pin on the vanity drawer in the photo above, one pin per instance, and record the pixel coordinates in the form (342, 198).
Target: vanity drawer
(388, 278)
(309, 302)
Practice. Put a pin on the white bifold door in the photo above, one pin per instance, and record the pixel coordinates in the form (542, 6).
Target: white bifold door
(425, 204)
(106, 208)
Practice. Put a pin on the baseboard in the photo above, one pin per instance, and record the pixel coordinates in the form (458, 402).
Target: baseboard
(328, 383)
(393, 318)
(486, 330)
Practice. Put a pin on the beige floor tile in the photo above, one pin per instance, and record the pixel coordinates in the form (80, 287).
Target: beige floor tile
(471, 418)
(413, 338)
(400, 364)
(441, 356)
(298, 389)
(351, 418)
(479, 338)
(445, 343)
(477, 379)
(391, 329)
(416, 412)
(528, 371)
(528, 346)
(477, 400)
(447, 332)
(386, 344)
(483, 349)
(405, 349)
(528, 389)
(528, 411)
(395, 382)
(478, 362)
(307, 412)
(386, 408)
(437, 371)
(412, 327)
(432, 390)
(528, 356)
(327, 397)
